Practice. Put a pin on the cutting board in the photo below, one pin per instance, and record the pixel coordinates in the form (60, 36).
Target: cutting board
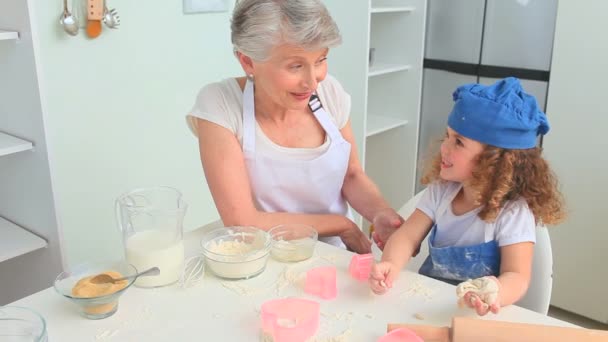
(466, 329)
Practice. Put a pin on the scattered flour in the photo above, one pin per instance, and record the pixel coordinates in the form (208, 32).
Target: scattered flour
(342, 337)
(242, 289)
(105, 335)
(418, 288)
(419, 316)
(332, 258)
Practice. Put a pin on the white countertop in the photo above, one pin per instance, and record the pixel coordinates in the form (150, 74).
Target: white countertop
(217, 310)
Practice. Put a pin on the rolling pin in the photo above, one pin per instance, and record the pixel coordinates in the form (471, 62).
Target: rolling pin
(466, 329)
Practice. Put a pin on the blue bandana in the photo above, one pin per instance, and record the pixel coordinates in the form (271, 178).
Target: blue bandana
(501, 115)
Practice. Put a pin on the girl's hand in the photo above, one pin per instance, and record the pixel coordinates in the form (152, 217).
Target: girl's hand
(385, 223)
(382, 277)
(474, 301)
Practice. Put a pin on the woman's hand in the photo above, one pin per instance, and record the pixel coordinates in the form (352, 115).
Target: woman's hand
(382, 276)
(355, 240)
(385, 222)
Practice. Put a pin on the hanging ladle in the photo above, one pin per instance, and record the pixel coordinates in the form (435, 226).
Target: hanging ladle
(68, 21)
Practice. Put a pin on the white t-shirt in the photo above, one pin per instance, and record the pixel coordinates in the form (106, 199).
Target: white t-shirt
(222, 103)
(515, 223)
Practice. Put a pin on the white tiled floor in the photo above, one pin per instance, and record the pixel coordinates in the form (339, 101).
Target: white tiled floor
(576, 319)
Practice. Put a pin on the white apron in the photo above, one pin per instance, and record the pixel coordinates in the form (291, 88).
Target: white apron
(297, 186)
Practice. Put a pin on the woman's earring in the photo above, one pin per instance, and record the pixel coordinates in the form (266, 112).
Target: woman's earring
(250, 77)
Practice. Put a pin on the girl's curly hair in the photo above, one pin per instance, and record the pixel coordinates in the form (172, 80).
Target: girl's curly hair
(502, 175)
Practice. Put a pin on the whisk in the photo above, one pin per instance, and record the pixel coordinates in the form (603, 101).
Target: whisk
(194, 270)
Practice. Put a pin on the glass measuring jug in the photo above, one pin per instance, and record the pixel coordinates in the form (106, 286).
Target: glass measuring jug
(151, 222)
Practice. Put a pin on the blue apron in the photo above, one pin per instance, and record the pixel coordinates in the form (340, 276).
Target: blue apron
(457, 264)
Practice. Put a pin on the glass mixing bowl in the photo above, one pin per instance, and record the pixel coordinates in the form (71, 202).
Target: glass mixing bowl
(236, 252)
(100, 306)
(293, 242)
(19, 324)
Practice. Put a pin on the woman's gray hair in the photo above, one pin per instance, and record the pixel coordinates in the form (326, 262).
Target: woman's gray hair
(259, 25)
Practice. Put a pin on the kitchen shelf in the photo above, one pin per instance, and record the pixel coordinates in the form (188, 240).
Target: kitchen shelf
(385, 68)
(377, 124)
(16, 241)
(392, 9)
(8, 35)
(10, 144)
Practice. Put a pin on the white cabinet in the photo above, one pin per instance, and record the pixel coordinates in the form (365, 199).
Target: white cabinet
(10, 144)
(8, 35)
(14, 240)
(386, 92)
(30, 256)
(576, 149)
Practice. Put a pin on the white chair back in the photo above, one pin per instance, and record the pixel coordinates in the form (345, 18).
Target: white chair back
(538, 296)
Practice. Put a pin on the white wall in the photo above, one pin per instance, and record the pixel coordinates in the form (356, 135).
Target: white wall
(577, 149)
(114, 109)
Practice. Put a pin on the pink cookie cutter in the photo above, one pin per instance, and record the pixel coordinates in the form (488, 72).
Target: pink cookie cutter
(361, 266)
(401, 335)
(321, 281)
(290, 319)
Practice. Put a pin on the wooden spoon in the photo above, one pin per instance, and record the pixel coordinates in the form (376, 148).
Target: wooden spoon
(94, 17)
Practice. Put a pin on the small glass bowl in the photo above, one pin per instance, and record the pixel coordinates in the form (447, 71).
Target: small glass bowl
(94, 307)
(236, 252)
(293, 242)
(21, 324)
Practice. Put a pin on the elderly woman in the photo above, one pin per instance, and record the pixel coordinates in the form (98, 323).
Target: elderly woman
(277, 145)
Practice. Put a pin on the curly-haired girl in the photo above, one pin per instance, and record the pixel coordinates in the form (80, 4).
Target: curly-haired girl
(487, 190)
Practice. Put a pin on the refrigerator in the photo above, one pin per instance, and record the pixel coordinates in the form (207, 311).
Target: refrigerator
(481, 41)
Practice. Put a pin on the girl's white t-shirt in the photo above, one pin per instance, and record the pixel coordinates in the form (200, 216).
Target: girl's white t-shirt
(514, 224)
(222, 103)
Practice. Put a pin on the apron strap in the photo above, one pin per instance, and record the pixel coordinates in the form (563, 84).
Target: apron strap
(317, 109)
(248, 118)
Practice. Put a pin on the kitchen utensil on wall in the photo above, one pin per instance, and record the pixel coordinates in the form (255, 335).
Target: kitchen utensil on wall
(151, 223)
(110, 17)
(94, 16)
(466, 329)
(68, 21)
